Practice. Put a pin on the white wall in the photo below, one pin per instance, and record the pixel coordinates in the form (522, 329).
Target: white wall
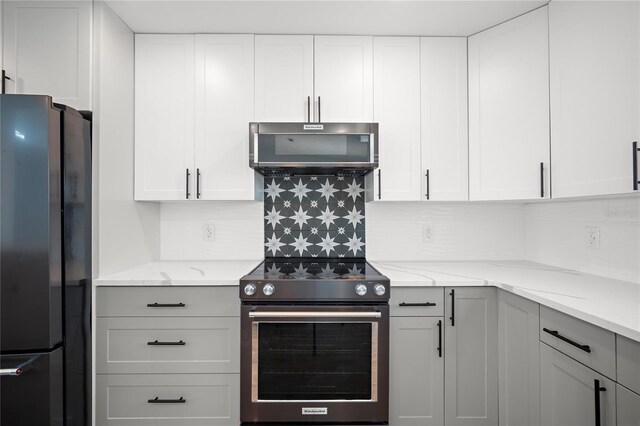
(460, 231)
(555, 235)
(126, 233)
(239, 230)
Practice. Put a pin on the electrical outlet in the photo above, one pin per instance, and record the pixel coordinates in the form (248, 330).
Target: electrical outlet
(208, 232)
(592, 237)
(427, 234)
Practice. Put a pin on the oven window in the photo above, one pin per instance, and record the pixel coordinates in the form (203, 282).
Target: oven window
(314, 361)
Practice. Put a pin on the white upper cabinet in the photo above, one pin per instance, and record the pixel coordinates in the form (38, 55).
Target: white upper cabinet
(284, 78)
(164, 121)
(509, 110)
(595, 92)
(47, 50)
(344, 78)
(194, 102)
(444, 118)
(396, 71)
(224, 107)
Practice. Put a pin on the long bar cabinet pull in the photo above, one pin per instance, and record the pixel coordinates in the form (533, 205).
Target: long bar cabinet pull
(5, 77)
(555, 333)
(596, 393)
(156, 343)
(319, 111)
(379, 184)
(541, 180)
(636, 182)
(157, 400)
(453, 307)
(417, 304)
(166, 305)
(427, 176)
(198, 184)
(187, 184)
(440, 338)
(308, 109)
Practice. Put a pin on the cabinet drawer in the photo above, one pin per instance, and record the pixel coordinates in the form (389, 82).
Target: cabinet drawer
(628, 352)
(209, 399)
(167, 301)
(598, 345)
(417, 302)
(143, 345)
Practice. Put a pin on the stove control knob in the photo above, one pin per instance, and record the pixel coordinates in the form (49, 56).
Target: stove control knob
(268, 289)
(361, 289)
(379, 289)
(250, 289)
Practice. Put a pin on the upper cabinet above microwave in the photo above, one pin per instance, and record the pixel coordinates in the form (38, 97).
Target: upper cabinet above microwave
(313, 78)
(194, 102)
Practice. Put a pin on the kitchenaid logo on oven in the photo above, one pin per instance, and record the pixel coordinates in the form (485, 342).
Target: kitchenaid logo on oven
(314, 411)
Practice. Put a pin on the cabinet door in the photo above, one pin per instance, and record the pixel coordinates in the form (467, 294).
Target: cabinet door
(567, 390)
(397, 109)
(344, 78)
(595, 95)
(284, 78)
(164, 106)
(444, 119)
(47, 50)
(628, 407)
(224, 108)
(416, 371)
(518, 360)
(471, 356)
(509, 110)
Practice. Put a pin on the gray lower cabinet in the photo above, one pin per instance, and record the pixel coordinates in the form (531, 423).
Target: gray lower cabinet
(518, 360)
(167, 399)
(471, 356)
(569, 391)
(628, 407)
(416, 371)
(628, 363)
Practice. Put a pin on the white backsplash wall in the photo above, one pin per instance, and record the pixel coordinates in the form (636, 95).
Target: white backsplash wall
(238, 232)
(459, 231)
(556, 235)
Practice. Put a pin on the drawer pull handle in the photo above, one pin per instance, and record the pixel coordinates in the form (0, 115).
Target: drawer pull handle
(157, 400)
(596, 392)
(417, 304)
(166, 305)
(555, 333)
(156, 343)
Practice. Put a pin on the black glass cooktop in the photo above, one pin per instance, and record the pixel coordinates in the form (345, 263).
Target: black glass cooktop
(314, 269)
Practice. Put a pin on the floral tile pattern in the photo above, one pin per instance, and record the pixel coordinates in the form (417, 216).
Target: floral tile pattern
(314, 216)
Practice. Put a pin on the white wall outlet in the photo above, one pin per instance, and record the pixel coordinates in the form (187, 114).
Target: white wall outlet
(427, 233)
(208, 232)
(592, 237)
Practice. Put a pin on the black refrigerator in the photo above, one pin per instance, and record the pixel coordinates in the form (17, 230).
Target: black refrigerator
(45, 263)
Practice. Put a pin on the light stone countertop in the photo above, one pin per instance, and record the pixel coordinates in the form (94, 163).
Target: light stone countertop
(611, 304)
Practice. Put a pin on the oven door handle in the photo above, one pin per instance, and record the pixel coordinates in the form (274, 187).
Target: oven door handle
(298, 314)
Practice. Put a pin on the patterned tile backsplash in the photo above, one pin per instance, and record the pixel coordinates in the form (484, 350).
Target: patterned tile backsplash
(314, 216)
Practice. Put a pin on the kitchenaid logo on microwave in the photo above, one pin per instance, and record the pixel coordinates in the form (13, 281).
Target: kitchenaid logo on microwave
(313, 127)
(314, 411)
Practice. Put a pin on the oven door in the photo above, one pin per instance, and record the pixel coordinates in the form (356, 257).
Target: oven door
(315, 364)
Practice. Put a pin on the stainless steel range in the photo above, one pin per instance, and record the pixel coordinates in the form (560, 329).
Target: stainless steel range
(315, 342)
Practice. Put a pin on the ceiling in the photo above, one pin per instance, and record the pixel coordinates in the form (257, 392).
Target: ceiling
(390, 17)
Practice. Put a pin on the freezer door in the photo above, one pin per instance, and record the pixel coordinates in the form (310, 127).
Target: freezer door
(31, 389)
(30, 224)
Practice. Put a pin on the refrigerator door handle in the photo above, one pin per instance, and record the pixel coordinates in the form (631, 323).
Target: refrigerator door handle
(19, 369)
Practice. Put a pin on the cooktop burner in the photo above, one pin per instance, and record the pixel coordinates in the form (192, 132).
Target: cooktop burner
(287, 279)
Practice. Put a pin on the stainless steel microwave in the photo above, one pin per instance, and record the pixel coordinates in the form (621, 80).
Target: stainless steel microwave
(277, 149)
